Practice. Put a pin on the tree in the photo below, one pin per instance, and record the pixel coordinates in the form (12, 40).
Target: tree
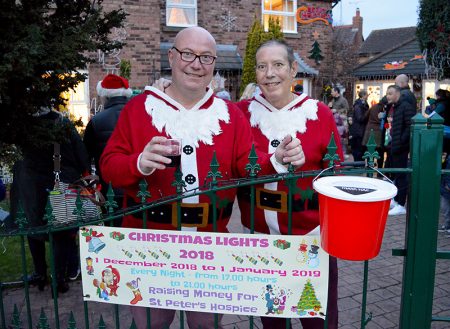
(44, 44)
(274, 31)
(253, 41)
(344, 56)
(433, 32)
(256, 36)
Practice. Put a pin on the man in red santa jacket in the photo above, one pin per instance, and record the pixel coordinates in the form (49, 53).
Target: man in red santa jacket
(187, 110)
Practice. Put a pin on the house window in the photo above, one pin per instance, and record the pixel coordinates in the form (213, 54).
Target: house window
(181, 13)
(283, 10)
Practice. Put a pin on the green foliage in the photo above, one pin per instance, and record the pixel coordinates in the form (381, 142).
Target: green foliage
(256, 36)
(433, 32)
(274, 31)
(10, 262)
(44, 44)
(253, 41)
(125, 68)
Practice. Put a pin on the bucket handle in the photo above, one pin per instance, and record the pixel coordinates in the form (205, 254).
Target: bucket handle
(358, 163)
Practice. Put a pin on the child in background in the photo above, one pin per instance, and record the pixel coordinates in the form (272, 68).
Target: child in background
(445, 199)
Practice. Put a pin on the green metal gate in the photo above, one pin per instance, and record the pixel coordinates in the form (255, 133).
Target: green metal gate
(419, 254)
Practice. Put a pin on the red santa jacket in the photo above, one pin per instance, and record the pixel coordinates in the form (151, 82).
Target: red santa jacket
(310, 121)
(212, 125)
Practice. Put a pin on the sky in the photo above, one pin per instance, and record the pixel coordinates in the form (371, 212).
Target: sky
(377, 14)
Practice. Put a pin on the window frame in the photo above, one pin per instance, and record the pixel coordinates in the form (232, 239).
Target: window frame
(283, 14)
(170, 5)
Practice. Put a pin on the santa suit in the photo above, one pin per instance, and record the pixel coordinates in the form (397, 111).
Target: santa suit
(310, 121)
(212, 125)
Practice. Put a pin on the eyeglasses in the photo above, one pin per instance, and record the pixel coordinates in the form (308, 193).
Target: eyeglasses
(187, 56)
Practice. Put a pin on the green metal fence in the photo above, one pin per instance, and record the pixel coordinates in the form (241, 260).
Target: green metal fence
(419, 254)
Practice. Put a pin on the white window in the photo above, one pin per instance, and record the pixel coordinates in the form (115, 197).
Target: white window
(283, 10)
(78, 104)
(181, 13)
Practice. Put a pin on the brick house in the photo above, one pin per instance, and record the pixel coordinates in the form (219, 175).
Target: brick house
(152, 25)
(387, 53)
(346, 42)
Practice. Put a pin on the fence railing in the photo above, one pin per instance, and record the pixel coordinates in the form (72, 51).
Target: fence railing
(420, 240)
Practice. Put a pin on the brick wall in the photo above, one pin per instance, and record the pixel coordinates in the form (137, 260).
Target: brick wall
(142, 42)
(146, 28)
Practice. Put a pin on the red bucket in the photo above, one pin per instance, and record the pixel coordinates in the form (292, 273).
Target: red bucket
(353, 212)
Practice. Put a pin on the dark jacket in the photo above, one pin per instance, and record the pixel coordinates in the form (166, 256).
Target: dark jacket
(98, 131)
(33, 175)
(359, 118)
(373, 124)
(401, 126)
(407, 95)
(2, 190)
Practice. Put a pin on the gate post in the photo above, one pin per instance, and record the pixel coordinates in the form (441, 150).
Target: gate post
(422, 223)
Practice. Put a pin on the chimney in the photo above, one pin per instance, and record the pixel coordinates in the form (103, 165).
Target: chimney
(358, 22)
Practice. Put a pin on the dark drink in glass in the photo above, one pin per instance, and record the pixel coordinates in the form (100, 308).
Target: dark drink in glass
(176, 160)
(174, 153)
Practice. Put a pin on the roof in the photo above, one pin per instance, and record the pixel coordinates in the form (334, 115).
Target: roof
(345, 34)
(228, 58)
(303, 67)
(406, 58)
(379, 41)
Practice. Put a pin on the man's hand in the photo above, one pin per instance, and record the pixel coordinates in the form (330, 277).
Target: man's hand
(153, 156)
(162, 84)
(290, 151)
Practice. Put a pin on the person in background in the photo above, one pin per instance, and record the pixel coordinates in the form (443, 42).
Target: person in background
(298, 89)
(2, 190)
(224, 94)
(445, 200)
(397, 136)
(374, 117)
(430, 107)
(3, 213)
(115, 91)
(250, 90)
(340, 108)
(33, 177)
(207, 125)
(272, 114)
(358, 126)
(402, 81)
(442, 102)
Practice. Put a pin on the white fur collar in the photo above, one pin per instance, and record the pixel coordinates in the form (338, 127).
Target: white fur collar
(277, 123)
(192, 126)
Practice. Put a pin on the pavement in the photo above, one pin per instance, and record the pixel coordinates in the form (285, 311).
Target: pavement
(383, 298)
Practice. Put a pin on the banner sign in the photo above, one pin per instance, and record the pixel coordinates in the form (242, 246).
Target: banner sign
(308, 15)
(247, 274)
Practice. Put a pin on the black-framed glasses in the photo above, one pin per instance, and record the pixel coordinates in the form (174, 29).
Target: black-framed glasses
(187, 56)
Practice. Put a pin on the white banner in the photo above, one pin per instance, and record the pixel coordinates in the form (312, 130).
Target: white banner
(260, 275)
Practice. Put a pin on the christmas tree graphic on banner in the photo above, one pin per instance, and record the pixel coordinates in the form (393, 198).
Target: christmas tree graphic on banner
(308, 299)
(316, 52)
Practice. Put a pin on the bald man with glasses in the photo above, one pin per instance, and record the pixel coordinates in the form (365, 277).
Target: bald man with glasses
(206, 125)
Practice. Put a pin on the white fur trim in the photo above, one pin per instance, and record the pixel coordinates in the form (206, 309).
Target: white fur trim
(103, 92)
(277, 123)
(191, 125)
